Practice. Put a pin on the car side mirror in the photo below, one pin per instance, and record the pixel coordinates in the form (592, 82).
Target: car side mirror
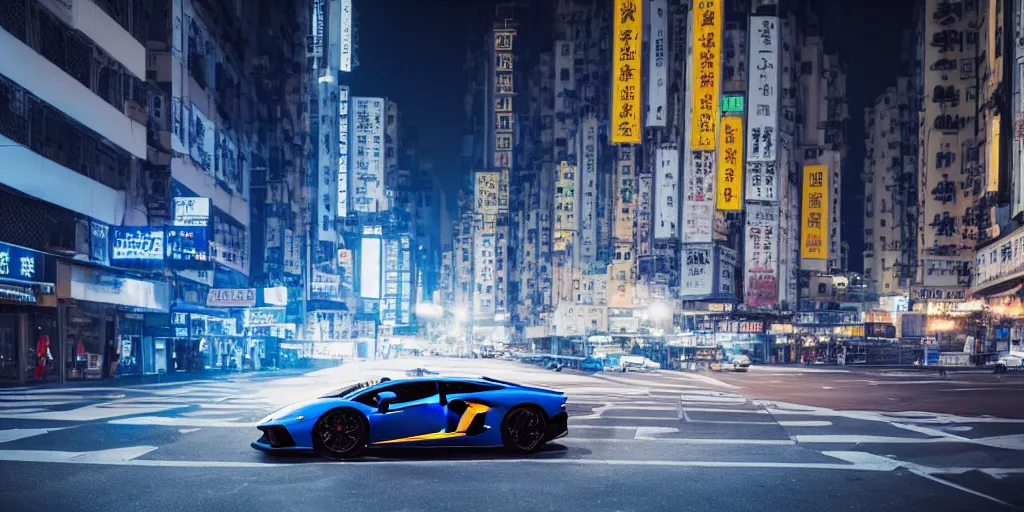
(384, 400)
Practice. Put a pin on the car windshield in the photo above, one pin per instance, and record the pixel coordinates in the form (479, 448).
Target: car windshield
(344, 392)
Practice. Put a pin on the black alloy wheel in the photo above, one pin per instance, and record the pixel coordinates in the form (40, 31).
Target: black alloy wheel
(341, 433)
(524, 428)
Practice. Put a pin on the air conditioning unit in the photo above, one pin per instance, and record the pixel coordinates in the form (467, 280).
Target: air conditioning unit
(135, 112)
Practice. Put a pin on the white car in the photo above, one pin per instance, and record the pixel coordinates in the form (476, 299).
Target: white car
(736, 364)
(1012, 360)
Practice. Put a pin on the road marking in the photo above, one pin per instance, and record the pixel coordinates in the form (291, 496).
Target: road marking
(606, 427)
(805, 423)
(634, 418)
(647, 433)
(33, 403)
(112, 456)
(89, 413)
(688, 440)
(958, 487)
(165, 421)
(14, 434)
(724, 410)
(864, 439)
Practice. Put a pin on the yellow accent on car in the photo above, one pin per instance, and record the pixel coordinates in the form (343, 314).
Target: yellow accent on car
(472, 410)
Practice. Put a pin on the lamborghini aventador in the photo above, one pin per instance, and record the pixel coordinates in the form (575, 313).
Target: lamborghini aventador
(418, 412)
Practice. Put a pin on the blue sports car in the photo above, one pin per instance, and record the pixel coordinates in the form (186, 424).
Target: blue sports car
(418, 412)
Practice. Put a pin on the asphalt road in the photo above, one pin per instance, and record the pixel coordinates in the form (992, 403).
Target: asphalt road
(659, 441)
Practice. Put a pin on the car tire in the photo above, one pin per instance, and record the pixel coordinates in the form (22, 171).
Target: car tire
(524, 420)
(352, 442)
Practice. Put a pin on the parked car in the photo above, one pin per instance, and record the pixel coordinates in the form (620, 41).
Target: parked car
(1013, 360)
(738, 363)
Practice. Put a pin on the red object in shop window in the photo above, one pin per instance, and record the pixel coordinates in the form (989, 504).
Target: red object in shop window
(42, 355)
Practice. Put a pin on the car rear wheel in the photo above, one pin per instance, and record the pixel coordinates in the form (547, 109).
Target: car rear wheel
(341, 433)
(524, 428)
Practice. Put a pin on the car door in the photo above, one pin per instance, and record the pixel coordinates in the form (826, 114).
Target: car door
(416, 411)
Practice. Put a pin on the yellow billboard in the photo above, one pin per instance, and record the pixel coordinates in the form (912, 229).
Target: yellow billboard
(730, 165)
(814, 213)
(707, 65)
(628, 30)
(993, 153)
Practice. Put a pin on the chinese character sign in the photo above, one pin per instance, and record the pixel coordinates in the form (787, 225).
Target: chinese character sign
(135, 244)
(327, 174)
(626, 71)
(666, 209)
(20, 264)
(367, 154)
(697, 274)
(707, 42)
(730, 164)
(657, 80)
(814, 213)
(699, 197)
(762, 90)
(343, 100)
(761, 256)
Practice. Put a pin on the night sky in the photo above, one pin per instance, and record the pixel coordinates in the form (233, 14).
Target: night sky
(412, 51)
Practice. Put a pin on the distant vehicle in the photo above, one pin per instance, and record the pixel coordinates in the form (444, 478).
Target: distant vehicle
(637, 364)
(738, 363)
(419, 372)
(592, 364)
(421, 412)
(1013, 360)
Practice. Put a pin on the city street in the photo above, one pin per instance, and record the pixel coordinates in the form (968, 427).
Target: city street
(771, 439)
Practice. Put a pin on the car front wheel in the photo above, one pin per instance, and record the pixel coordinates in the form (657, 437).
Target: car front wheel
(341, 433)
(524, 428)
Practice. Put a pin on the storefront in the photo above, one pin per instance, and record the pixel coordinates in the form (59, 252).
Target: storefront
(28, 317)
(104, 322)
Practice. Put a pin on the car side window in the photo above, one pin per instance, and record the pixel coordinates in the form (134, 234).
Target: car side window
(458, 388)
(404, 392)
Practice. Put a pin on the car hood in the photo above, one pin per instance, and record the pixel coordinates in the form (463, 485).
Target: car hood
(287, 410)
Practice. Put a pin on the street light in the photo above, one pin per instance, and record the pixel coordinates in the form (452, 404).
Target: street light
(659, 312)
(428, 311)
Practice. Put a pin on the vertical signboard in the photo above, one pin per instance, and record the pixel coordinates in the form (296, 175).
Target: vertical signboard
(657, 79)
(626, 71)
(367, 192)
(730, 164)
(588, 193)
(699, 198)
(762, 89)
(346, 36)
(327, 188)
(1017, 86)
(343, 102)
(760, 281)
(666, 210)
(814, 213)
(707, 43)
(697, 277)
(762, 110)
